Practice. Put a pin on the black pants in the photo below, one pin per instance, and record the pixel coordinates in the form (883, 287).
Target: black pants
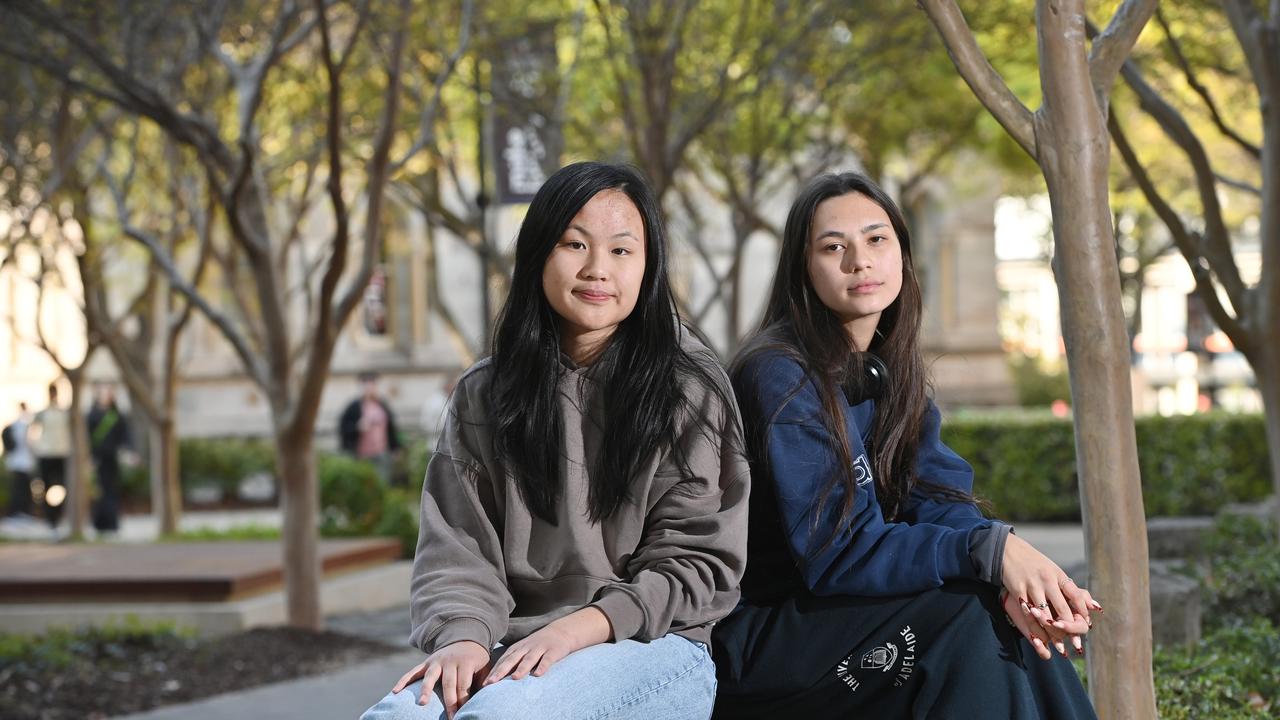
(106, 511)
(945, 653)
(53, 470)
(19, 493)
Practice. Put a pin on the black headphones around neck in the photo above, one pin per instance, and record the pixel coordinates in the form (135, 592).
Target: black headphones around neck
(871, 385)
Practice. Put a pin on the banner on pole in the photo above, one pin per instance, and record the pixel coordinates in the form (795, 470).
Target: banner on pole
(527, 137)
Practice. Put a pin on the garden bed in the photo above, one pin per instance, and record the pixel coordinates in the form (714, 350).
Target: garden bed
(104, 673)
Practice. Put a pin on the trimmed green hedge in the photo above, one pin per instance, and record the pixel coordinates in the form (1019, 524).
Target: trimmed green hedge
(1023, 464)
(1191, 465)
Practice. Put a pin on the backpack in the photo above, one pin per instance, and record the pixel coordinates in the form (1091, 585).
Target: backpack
(8, 440)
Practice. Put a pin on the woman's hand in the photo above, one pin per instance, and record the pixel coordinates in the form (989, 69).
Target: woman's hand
(457, 667)
(535, 654)
(1015, 611)
(1045, 594)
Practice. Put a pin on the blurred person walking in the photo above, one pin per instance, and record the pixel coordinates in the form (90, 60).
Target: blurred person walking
(108, 437)
(51, 440)
(20, 462)
(367, 428)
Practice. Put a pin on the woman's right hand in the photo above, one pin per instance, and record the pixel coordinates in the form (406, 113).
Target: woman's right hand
(1044, 593)
(457, 667)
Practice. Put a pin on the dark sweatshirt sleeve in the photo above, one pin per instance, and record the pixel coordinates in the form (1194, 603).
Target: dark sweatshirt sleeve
(940, 465)
(686, 570)
(458, 590)
(871, 557)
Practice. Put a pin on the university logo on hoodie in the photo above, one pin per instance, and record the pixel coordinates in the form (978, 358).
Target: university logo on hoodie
(862, 470)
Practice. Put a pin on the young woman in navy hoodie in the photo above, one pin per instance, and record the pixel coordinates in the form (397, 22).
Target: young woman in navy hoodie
(874, 585)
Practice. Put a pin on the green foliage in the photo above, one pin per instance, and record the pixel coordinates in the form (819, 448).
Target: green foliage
(1191, 465)
(135, 480)
(1235, 670)
(351, 495)
(1241, 573)
(354, 502)
(58, 647)
(416, 457)
(223, 461)
(252, 531)
(1036, 384)
(1232, 674)
(400, 519)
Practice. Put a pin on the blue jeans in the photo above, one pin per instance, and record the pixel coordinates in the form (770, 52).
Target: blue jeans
(670, 678)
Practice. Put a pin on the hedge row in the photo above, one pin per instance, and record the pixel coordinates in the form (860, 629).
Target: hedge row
(1191, 465)
(1025, 466)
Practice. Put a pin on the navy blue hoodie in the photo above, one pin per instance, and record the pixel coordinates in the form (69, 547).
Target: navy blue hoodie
(931, 542)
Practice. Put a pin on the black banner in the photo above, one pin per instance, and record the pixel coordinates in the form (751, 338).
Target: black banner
(527, 137)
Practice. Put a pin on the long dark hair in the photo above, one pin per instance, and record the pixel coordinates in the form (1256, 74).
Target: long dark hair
(639, 373)
(798, 324)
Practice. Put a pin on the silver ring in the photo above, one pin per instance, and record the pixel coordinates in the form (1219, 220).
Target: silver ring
(1042, 606)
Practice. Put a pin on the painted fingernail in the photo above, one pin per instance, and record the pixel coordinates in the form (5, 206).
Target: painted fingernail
(1062, 647)
(1075, 640)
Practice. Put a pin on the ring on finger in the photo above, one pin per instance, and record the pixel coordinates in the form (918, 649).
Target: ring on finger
(1043, 605)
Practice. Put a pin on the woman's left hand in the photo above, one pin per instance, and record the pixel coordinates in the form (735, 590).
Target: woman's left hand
(535, 654)
(1050, 597)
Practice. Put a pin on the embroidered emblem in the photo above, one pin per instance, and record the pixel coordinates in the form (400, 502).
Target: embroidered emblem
(861, 470)
(881, 658)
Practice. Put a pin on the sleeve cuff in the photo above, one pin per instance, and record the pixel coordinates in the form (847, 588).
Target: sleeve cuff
(624, 613)
(460, 629)
(986, 552)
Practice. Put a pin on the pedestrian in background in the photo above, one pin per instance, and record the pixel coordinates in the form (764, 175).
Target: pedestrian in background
(20, 462)
(51, 440)
(109, 439)
(368, 427)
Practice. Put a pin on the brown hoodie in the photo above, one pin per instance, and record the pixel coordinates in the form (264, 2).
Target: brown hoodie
(489, 571)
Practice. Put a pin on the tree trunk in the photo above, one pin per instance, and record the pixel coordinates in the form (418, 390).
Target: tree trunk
(1074, 148)
(80, 470)
(166, 491)
(1267, 373)
(295, 461)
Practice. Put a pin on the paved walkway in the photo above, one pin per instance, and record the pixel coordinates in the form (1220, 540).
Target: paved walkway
(347, 693)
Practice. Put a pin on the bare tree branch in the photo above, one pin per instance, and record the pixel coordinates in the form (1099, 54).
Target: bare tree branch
(1180, 58)
(137, 96)
(427, 118)
(1238, 184)
(162, 259)
(1115, 43)
(1250, 30)
(1217, 239)
(1183, 238)
(977, 72)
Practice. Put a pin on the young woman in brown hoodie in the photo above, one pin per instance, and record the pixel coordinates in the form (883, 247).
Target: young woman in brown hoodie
(584, 512)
